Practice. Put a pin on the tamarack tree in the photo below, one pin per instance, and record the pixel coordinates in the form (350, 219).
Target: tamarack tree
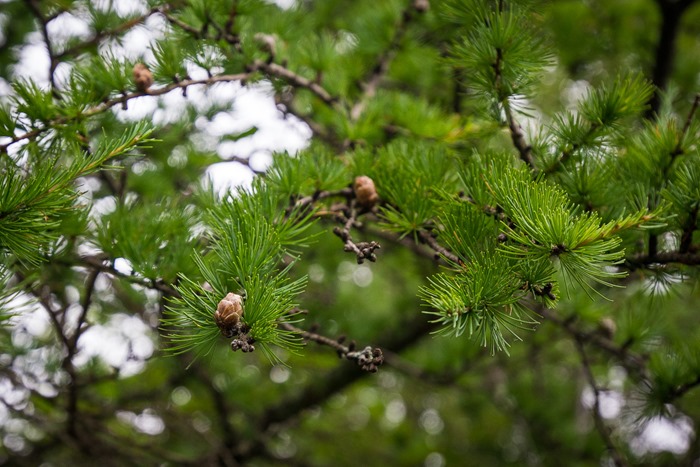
(519, 180)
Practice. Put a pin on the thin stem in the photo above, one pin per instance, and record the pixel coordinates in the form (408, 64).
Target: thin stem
(368, 359)
(602, 429)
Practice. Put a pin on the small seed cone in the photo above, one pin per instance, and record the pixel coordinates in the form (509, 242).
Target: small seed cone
(365, 191)
(143, 78)
(228, 313)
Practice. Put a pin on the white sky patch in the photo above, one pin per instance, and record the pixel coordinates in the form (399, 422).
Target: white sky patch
(227, 176)
(147, 422)
(124, 343)
(610, 403)
(123, 266)
(68, 26)
(122, 7)
(664, 434)
(33, 60)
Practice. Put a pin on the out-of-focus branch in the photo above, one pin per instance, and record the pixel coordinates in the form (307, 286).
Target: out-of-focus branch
(671, 13)
(631, 360)
(370, 83)
(602, 429)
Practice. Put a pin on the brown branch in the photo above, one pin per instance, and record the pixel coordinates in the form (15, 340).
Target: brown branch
(602, 429)
(34, 6)
(688, 229)
(295, 80)
(440, 251)
(121, 100)
(363, 250)
(101, 264)
(87, 298)
(368, 359)
(686, 127)
(685, 387)
(517, 135)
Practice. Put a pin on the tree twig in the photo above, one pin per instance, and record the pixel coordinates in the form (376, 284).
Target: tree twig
(602, 429)
(363, 250)
(368, 359)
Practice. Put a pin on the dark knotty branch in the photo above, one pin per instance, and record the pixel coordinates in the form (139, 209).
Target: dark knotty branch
(517, 135)
(363, 250)
(35, 7)
(271, 69)
(683, 388)
(688, 229)
(368, 359)
(602, 429)
(570, 151)
(687, 237)
(440, 251)
(306, 201)
(107, 33)
(686, 127)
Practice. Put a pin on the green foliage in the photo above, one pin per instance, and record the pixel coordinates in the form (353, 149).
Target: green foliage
(32, 205)
(530, 170)
(250, 237)
(483, 301)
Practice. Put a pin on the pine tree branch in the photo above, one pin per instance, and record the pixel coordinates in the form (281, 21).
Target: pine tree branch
(518, 136)
(686, 127)
(100, 263)
(121, 100)
(440, 251)
(368, 359)
(516, 131)
(307, 201)
(363, 250)
(602, 429)
(566, 154)
(85, 305)
(688, 229)
(295, 80)
(684, 388)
